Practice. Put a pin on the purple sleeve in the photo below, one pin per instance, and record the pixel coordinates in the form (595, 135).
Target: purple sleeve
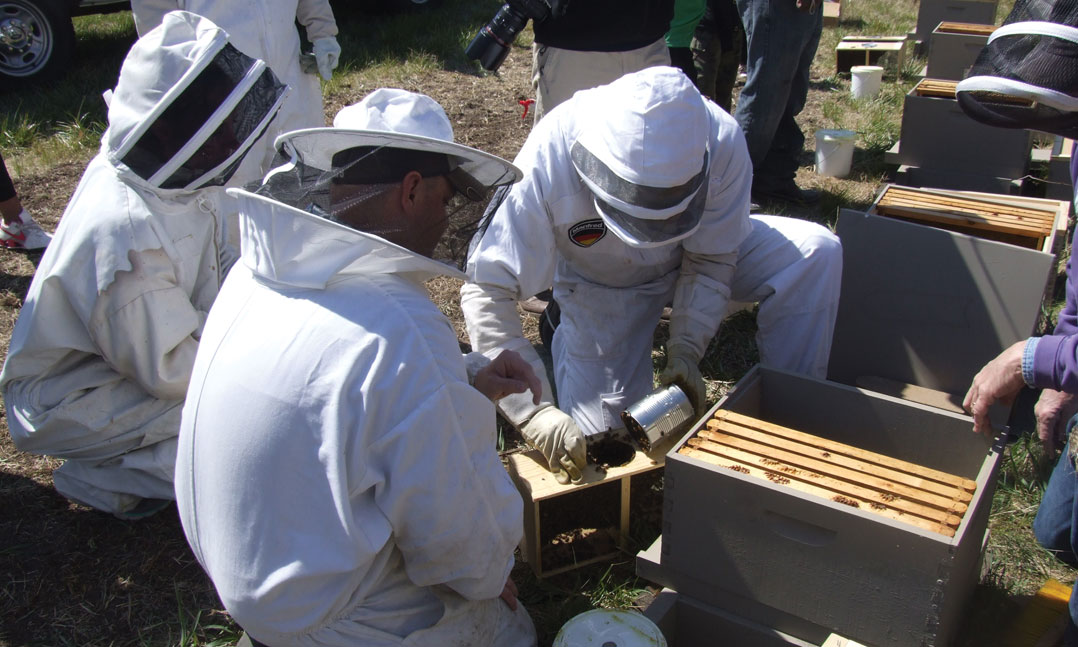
(1055, 361)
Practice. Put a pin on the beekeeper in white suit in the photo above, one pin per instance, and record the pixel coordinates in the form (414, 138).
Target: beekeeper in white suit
(266, 29)
(337, 474)
(635, 194)
(102, 351)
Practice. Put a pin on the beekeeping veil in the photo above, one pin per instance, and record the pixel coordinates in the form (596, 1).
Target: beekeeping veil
(643, 153)
(370, 148)
(188, 105)
(1027, 74)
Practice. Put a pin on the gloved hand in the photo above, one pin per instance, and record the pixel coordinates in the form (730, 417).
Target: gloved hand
(558, 437)
(682, 369)
(327, 53)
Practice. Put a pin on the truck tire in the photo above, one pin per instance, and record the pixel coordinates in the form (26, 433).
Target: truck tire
(36, 41)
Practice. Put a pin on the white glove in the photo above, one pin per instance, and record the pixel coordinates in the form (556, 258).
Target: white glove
(558, 437)
(327, 53)
(682, 369)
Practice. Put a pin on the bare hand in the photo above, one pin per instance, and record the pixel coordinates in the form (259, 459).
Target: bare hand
(1053, 410)
(807, 6)
(999, 380)
(509, 594)
(508, 374)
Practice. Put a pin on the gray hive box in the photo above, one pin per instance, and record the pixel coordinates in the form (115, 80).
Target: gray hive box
(686, 622)
(937, 135)
(922, 310)
(932, 12)
(809, 566)
(953, 47)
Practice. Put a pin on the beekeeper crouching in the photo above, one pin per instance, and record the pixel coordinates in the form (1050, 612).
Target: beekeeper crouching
(636, 194)
(336, 473)
(102, 351)
(267, 29)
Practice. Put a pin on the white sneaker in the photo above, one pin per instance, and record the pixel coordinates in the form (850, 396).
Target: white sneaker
(23, 234)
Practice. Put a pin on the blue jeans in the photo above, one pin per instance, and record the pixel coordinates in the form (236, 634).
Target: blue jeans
(1056, 523)
(781, 43)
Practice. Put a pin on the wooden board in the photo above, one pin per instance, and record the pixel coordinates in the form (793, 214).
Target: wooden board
(879, 484)
(945, 89)
(966, 28)
(1023, 223)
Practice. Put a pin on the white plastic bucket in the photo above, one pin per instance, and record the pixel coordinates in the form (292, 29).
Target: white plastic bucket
(609, 627)
(865, 81)
(834, 152)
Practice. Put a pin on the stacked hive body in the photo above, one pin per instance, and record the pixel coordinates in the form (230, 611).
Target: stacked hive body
(1026, 222)
(932, 12)
(940, 146)
(954, 47)
(879, 540)
(856, 505)
(882, 485)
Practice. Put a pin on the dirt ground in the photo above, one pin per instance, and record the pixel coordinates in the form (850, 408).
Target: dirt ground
(73, 576)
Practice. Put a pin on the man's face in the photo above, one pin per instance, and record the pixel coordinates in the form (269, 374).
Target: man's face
(418, 228)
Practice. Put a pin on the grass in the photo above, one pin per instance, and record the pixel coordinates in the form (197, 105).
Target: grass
(97, 581)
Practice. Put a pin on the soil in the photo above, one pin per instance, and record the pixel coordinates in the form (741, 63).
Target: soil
(74, 576)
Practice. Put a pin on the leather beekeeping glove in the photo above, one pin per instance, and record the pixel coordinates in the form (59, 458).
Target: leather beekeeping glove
(558, 437)
(327, 53)
(682, 369)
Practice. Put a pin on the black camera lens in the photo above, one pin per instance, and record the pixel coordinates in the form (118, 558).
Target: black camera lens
(491, 45)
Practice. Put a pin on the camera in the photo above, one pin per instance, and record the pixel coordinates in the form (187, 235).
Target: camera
(491, 45)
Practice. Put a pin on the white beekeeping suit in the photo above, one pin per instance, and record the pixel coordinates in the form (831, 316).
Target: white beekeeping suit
(636, 195)
(265, 29)
(102, 351)
(336, 474)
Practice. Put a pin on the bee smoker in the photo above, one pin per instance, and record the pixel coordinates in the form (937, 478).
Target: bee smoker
(658, 415)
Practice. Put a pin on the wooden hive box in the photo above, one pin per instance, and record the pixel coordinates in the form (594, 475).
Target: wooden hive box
(832, 12)
(889, 52)
(932, 12)
(953, 47)
(922, 310)
(936, 134)
(567, 526)
(1033, 223)
(843, 558)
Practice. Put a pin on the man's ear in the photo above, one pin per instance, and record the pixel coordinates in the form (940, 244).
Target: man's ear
(409, 189)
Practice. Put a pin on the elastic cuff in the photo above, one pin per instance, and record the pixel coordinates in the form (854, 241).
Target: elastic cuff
(473, 363)
(1028, 352)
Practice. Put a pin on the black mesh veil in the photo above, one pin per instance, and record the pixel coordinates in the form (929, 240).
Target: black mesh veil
(349, 188)
(1027, 74)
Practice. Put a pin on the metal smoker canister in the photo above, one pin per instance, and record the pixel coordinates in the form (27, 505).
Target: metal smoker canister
(658, 415)
(609, 628)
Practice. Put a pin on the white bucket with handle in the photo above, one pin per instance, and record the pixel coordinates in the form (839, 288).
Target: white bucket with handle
(834, 152)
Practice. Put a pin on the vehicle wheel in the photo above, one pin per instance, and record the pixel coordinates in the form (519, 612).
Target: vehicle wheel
(36, 41)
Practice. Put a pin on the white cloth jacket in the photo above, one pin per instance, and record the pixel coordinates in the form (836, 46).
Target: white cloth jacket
(547, 232)
(336, 474)
(264, 29)
(102, 351)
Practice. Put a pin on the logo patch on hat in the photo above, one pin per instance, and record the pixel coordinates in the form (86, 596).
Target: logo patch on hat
(587, 233)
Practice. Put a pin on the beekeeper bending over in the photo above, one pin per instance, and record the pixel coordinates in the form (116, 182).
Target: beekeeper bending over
(337, 474)
(102, 351)
(635, 194)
